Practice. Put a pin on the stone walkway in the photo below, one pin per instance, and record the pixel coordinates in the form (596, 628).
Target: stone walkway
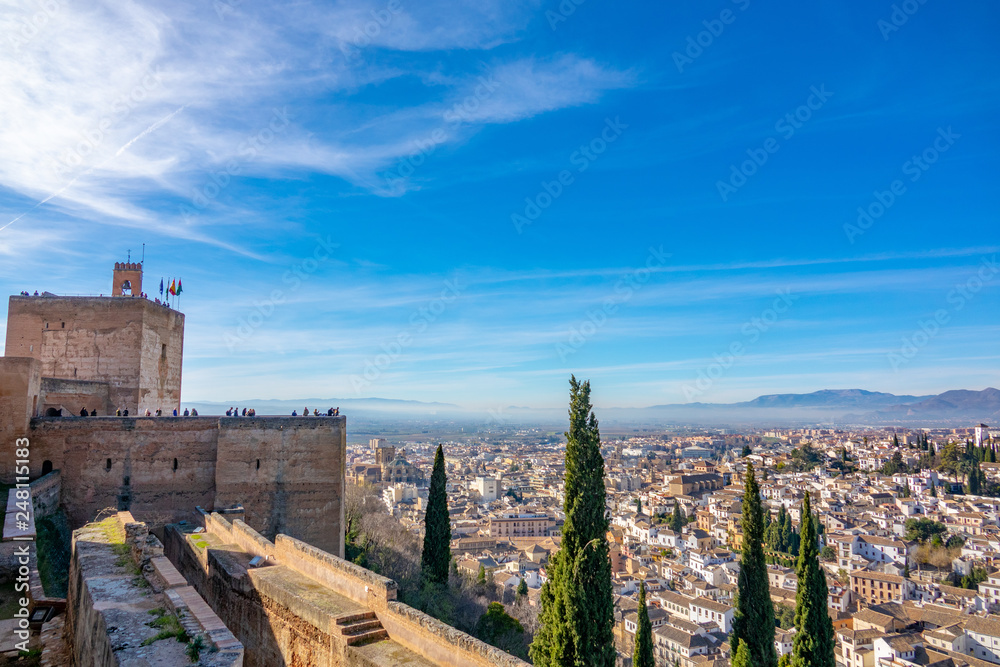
(297, 590)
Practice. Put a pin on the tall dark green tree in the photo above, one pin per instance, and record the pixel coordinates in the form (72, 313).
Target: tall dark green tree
(741, 657)
(677, 519)
(577, 615)
(436, 555)
(753, 623)
(973, 485)
(813, 645)
(642, 656)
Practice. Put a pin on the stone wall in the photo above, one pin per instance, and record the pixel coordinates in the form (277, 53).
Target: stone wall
(142, 476)
(71, 395)
(161, 468)
(132, 344)
(20, 382)
(45, 494)
(111, 604)
(288, 472)
(280, 623)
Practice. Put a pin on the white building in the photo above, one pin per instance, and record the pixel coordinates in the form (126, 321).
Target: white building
(704, 609)
(399, 493)
(488, 488)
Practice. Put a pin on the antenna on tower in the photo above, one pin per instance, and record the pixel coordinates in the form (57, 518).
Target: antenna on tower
(129, 255)
(143, 261)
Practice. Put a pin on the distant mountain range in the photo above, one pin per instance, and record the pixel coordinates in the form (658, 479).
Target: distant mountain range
(852, 406)
(825, 398)
(956, 405)
(829, 406)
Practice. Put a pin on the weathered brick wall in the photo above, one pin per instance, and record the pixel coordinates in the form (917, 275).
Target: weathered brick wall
(45, 493)
(268, 630)
(20, 379)
(114, 340)
(75, 394)
(298, 486)
(296, 490)
(278, 626)
(142, 451)
(162, 350)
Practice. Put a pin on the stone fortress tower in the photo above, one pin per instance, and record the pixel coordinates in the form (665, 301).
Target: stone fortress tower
(65, 354)
(235, 525)
(100, 353)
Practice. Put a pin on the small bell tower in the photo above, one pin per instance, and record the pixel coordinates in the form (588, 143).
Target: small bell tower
(127, 279)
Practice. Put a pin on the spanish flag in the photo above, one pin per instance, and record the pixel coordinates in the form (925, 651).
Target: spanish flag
(173, 287)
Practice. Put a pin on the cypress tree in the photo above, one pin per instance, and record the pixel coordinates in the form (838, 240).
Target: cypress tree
(677, 520)
(813, 645)
(753, 623)
(642, 656)
(436, 556)
(972, 486)
(742, 656)
(577, 615)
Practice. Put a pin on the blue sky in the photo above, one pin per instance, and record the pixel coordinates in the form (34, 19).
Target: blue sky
(468, 201)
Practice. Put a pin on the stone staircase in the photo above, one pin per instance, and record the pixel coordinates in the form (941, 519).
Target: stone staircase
(360, 628)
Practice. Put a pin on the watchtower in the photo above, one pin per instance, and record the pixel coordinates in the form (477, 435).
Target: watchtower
(127, 279)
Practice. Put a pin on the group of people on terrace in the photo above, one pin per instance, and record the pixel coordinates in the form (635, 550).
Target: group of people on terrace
(332, 412)
(123, 412)
(247, 412)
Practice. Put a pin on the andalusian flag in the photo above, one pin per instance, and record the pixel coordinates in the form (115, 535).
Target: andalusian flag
(173, 287)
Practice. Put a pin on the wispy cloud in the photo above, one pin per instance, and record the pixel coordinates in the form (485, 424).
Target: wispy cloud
(92, 121)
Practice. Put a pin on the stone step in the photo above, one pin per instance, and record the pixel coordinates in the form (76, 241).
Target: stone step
(366, 637)
(360, 626)
(347, 619)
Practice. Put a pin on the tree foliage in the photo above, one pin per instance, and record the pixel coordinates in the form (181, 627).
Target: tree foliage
(742, 657)
(677, 520)
(377, 540)
(498, 628)
(804, 458)
(895, 464)
(576, 621)
(753, 622)
(436, 556)
(642, 656)
(814, 642)
(922, 530)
